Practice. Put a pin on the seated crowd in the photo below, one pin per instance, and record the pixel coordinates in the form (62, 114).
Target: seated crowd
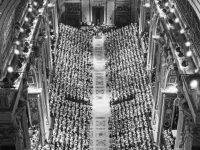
(131, 102)
(125, 72)
(70, 90)
(71, 126)
(72, 65)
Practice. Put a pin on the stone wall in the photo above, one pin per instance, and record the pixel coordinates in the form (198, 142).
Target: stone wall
(115, 11)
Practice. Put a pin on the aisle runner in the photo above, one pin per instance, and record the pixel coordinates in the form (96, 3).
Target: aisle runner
(100, 100)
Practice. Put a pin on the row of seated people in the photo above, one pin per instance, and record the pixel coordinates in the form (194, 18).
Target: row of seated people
(70, 90)
(125, 63)
(72, 66)
(130, 126)
(71, 126)
(131, 101)
(94, 30)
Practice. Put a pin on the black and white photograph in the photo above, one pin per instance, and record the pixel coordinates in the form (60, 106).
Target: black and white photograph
(100, 75)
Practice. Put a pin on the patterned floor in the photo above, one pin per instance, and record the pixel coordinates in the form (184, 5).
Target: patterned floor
(100, 98)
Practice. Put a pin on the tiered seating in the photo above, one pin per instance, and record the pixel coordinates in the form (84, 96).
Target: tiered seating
(72, 73)
(70, 90)
(126, 75)
(71, 126)
(131, 103)
(130, 125)
(131, 95)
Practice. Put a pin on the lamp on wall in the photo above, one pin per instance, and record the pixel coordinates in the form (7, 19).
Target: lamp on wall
(188, 43)
(177, 20)
(147, 5)
(11, 77)
(16, 52)
(17, 42)
(193, 81)
(10, 69)
(50, 5)
(189, 53)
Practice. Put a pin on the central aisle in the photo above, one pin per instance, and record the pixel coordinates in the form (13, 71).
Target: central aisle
(100, 98)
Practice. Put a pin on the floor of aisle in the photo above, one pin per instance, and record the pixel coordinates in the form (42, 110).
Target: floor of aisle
(100, 98)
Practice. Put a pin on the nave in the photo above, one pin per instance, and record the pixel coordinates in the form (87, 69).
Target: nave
(123, 100)
(99, 75)
(100, 97)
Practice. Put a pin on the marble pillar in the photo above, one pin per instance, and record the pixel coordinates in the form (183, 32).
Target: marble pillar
(86, 11)
(178, 141)
(110, 12)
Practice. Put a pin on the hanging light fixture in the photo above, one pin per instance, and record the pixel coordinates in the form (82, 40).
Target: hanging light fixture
(40, 10)
(182, 31)
(156, 37)
(21, 30)
(188, 43)
(17, 42)
(194, 84)
(189, 53)
(166, 4)
(196, 70)
(51, 5)
(10, 69)
(16, 51)
(177, 20)
(172, 10)
(30, 9)
(147, 5)
(169, 26)
(35, 3)
(26, 19)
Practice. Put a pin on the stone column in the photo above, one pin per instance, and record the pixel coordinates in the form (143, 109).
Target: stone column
(25, 129)
(134, 11)
(161, 107)
(18, 134)
(185, 128)
(85, 11)
(19, 141)
(180, 126)
(188, 132)
(110, 12)
(56, 18)
(142, 17)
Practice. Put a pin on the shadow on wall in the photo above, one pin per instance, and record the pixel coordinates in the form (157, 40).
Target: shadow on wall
(122, 14)
(7, 147)
(71, 14)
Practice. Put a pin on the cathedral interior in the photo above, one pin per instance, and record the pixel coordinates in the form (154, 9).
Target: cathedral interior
(100, 75)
